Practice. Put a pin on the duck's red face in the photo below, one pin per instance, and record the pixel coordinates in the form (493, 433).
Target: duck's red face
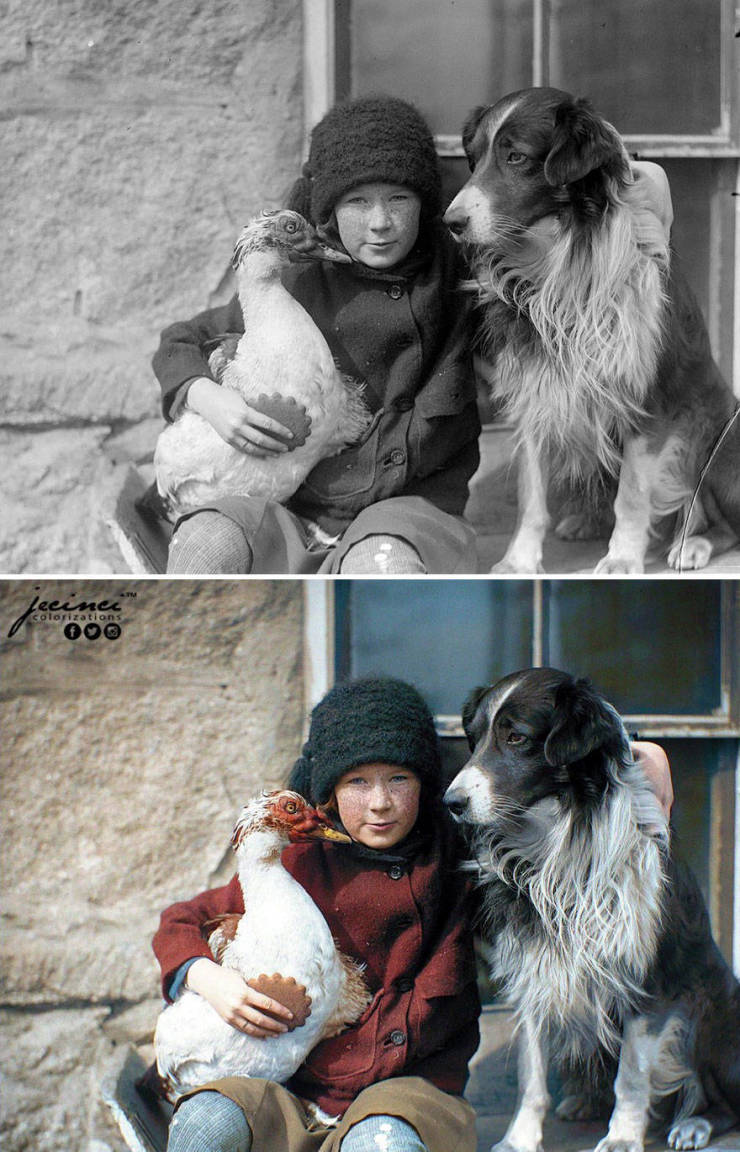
(288, 813)
(285, 234)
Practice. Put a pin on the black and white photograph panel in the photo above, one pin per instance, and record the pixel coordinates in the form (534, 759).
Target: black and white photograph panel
(370, 865)
(353, 287)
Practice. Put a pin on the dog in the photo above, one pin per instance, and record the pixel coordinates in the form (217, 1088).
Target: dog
(596, 342)
(597, 933)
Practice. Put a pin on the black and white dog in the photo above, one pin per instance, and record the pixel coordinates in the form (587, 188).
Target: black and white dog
(599, 936)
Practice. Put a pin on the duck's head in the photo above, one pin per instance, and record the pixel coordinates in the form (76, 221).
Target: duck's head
(284, 235)
(287, 817)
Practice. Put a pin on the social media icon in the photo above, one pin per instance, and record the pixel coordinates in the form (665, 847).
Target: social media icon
(112, 631)
(92, 631)
(72, 631)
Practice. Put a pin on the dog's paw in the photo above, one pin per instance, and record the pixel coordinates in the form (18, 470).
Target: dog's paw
(516, 567)
(609, 1144)
(695, 553)
(619, 566)
(695, 1132)
(505, 1146)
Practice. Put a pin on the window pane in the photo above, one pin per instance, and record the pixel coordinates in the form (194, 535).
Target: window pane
(444, 57)
(648, 67)
(444, 636)
(650, 646)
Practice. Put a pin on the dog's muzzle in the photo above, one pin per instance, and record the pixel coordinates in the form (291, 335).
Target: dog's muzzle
(457, 800)
(457, 220)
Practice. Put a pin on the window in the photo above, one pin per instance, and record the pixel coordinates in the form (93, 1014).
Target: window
(663, 73)
(663, 651)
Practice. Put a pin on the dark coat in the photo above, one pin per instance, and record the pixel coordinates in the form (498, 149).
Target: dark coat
(409, 923)
(407, 337)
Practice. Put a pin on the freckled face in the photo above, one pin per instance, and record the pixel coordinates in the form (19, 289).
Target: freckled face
(378, 223)
(378, 803)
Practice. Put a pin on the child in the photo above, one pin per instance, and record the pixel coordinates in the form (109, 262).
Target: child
(394, 319)
(395, 902)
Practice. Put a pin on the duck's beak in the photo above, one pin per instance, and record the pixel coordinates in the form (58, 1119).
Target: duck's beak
(314, 246)
(317, 826)
(324, 832)
(314, 249)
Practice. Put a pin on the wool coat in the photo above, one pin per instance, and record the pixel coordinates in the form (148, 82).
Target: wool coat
(408, 922)
(405, 334)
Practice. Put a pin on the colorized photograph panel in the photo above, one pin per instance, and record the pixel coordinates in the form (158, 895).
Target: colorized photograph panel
(340, 836)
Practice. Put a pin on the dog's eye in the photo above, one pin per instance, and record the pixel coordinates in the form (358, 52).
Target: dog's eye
(515, 157)
(515, 738)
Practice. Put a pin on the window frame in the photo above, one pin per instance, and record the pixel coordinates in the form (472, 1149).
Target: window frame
(326, 73)
(321, 626)
(326, 78)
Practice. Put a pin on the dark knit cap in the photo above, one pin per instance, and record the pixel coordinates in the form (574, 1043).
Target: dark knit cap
(366, 722)
(373, 138)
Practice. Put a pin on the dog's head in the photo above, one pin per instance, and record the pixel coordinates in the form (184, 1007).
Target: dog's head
(533, 155)
(534, 735)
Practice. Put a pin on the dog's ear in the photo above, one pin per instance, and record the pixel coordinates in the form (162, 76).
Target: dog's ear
(470, 127)
(587, 739)
(582, 722)
(583, 142)
(469, 709)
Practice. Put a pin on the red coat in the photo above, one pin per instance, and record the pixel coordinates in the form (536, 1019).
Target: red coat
(410, 925)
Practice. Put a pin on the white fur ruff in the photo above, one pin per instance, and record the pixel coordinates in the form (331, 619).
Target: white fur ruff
(595, 888)
(577, 328)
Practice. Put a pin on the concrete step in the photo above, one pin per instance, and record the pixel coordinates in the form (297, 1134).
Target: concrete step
(492, 509)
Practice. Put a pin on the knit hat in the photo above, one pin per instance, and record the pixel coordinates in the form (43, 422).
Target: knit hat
(367, 721)
(374, 138)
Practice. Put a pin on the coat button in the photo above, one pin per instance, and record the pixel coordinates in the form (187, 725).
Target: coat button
(395, 871)
(395, 291)
(397, 1037)
(397, 456)
(404, 984)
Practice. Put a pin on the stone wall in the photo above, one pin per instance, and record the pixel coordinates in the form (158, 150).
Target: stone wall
(137, 137)
(124, 764)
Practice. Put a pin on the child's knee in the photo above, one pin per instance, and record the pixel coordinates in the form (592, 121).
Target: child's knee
(209, 542)
(209, 1120)
(383, 555)
(382, 1134)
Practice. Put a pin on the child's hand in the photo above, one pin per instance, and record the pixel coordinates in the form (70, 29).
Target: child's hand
(239, 425)
(239, 1005)
(654, 763)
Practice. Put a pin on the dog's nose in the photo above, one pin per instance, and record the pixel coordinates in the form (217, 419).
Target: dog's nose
(456, 220)
(456, 800)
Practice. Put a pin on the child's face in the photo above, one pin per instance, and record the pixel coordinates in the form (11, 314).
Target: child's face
(378, 803)
(378, 223)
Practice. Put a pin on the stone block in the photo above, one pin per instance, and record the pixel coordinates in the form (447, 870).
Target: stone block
(158, 738)
(51, 1065)
(48, 488)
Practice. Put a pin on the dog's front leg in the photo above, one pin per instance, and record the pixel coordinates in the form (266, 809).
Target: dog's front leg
(524, 553)
(524, 1133)
(632, 1088)
(632, 510)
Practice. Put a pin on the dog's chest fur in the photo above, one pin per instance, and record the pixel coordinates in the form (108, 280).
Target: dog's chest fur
(575, 925)
(576, 339)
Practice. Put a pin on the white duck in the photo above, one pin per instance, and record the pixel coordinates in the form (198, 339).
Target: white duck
(281, 932)
(282, 365)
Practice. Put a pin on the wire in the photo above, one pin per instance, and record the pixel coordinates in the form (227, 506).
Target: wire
(718, 444)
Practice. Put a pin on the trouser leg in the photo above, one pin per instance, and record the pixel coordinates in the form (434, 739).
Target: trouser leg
(209, 1122)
